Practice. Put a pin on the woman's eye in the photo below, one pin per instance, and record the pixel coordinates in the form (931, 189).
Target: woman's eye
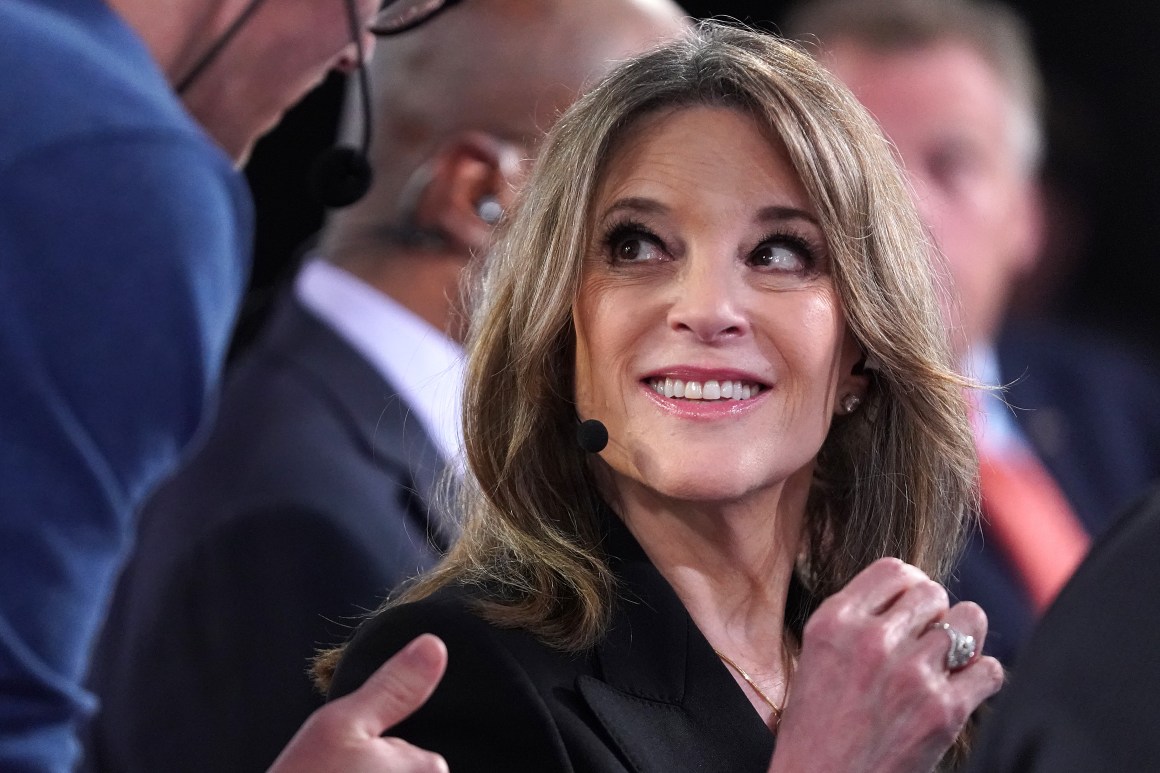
(634, 248)
(779, 257)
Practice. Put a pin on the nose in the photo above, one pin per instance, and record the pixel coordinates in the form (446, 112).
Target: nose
(708, 302)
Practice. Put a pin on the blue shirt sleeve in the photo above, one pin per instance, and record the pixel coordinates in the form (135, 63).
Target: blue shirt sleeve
(121, 269)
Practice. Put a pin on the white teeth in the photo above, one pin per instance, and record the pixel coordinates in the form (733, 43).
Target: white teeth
(708, 390)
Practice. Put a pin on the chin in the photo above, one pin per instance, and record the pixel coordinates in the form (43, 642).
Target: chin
(735, 469)
(697, 483)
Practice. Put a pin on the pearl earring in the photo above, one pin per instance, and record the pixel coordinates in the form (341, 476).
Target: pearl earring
(850, 403)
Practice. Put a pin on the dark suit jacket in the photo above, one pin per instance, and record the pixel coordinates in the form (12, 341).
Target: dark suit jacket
(1092, 414)
(307, 503)
(650, 697)
(1087, 694)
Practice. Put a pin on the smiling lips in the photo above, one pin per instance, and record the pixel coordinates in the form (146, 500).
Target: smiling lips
(705, 390)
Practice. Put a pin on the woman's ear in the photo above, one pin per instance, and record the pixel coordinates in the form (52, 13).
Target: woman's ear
(473, 179)
(854, 382)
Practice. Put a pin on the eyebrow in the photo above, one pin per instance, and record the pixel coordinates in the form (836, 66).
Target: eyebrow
(638, 205)
(770, 214)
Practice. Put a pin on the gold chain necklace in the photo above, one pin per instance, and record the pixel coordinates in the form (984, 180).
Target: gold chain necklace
(749, 680)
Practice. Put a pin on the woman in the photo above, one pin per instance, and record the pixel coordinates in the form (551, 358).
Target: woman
(716, 258)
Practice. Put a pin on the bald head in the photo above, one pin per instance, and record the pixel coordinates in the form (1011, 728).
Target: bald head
(507, 65)
(506, 68)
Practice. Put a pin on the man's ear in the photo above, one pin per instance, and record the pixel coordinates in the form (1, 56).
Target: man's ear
(474, 176)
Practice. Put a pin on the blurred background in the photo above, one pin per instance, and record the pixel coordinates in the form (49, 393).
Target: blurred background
(1102, 262)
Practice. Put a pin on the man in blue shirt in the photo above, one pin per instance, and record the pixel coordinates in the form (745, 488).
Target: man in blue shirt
(124, 234)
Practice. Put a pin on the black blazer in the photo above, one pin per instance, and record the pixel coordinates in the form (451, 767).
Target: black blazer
(651, 697)
(308, 502)
(1087, 694)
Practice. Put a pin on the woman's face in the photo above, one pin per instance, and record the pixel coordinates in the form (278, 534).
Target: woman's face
(708, 276)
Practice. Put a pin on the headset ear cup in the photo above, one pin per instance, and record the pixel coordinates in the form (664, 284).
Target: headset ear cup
(340, 176)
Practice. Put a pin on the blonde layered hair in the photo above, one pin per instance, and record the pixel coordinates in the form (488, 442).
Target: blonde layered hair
(896, 478)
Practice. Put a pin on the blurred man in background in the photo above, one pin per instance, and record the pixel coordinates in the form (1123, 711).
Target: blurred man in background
(954, 85)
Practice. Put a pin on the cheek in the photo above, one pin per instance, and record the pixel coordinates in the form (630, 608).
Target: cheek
(367, 9)
(582, 378)
(589, 313)
(608, 319)
(296, 67)
(812, 337)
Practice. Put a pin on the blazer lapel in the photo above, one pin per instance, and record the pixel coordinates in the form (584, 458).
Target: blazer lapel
(372, 406)
(665, 698)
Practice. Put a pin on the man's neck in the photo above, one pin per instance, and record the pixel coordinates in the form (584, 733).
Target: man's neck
(425, 283)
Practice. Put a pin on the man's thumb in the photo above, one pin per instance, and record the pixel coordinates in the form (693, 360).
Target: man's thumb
(398, 687)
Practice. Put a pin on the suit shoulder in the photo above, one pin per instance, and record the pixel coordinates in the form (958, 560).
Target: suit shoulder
(1074, 354)
(488, 713)
(447, 613)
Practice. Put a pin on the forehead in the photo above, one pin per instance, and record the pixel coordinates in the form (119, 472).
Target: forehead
(717, 156)
(921, 95)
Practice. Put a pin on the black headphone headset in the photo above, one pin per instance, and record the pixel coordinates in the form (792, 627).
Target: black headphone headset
(341, 175)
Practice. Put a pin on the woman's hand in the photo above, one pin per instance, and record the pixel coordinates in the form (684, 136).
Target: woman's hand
(873, 691)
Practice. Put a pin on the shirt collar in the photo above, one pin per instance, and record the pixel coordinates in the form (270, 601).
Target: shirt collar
(993, 421)
(423, 363)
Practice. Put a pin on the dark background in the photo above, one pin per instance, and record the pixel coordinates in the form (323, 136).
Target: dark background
(1102, 174)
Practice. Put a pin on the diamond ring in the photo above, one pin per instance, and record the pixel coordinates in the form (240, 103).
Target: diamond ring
(962, 646)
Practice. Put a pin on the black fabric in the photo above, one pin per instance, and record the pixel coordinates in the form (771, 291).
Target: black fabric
(650, 697)
(1087, 693)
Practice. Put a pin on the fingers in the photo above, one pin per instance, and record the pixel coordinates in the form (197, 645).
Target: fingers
(888, 610)
(913, 611)
(895, 598)
(879, 585)
(872, 690)
(983, 676)
(406, 758)
(398, 687)
(980, 680)
(965, 617)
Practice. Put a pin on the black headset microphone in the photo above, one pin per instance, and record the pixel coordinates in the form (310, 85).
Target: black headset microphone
(341, 175)
(592, 436)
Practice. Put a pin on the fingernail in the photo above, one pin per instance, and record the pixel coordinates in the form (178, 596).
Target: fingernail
(423, 651)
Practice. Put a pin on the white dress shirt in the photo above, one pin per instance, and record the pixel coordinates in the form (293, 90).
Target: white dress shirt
(995, 428)
(422, 362)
